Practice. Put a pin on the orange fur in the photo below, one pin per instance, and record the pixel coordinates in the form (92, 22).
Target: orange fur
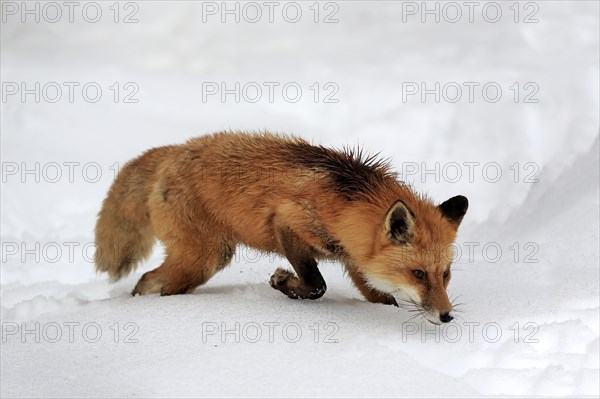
(275, 194)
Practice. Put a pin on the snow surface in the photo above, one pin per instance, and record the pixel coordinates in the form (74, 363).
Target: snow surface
(544, 303)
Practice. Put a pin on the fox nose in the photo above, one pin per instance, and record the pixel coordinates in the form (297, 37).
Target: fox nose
(446, 317)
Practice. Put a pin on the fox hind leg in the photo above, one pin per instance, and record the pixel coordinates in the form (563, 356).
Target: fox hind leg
(186, 267)
(196, 247)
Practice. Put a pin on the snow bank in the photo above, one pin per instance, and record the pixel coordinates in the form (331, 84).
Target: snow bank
(530, 324)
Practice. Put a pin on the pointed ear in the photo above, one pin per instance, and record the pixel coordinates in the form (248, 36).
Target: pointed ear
(399, 224)
(454, 209)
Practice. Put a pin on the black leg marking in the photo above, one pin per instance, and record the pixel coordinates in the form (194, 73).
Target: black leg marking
(309, 283)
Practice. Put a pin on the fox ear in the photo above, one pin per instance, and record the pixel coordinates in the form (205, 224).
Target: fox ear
(454, 209)
(399, 224)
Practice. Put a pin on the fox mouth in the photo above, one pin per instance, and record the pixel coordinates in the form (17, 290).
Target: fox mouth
(410, 300)
(418, 310)
(426, 312)
(432, 317)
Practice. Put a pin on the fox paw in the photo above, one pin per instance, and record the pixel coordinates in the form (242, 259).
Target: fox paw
(283, 280)
(389, 300)
(150, 283)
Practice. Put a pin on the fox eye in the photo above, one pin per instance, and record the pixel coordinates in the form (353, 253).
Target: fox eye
(420, 274)
(446, 273)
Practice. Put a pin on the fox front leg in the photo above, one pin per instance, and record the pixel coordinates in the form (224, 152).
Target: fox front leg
(308, 283)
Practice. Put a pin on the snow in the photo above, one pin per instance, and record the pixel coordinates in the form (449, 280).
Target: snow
(530, 320)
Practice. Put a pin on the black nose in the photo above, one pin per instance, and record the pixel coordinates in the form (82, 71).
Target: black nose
(446, 318)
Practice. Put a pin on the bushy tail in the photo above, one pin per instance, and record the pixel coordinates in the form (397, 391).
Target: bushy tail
(124, 234)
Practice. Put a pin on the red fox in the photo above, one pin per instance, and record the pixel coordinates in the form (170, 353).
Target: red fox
(282, 195)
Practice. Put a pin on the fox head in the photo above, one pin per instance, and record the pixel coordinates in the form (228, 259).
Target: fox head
(414, 252)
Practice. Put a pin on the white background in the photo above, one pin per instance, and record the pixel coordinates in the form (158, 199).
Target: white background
(374, 51)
